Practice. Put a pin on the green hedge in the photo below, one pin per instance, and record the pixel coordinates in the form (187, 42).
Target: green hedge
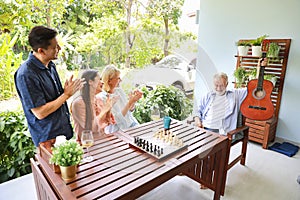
(170, 100)
(16, 146)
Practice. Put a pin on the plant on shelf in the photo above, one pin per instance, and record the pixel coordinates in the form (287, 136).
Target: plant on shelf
(251, 74)
(67, 156)
(256, 45)
(273, 51)
(271, 77)
(243, 43)
(258, 41)
(243, 47)
(240, 76)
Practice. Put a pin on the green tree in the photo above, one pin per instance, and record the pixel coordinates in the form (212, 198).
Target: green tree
(169, 11)
(93, 33)
(9, 62)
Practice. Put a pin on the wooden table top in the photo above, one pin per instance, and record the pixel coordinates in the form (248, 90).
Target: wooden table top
(119, 171)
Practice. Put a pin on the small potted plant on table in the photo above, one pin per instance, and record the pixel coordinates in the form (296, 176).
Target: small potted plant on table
(67, 156)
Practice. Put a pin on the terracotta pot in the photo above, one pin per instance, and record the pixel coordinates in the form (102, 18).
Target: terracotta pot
(68, 172)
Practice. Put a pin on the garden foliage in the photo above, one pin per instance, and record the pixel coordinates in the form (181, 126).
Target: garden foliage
(16, 146)
(170, 100)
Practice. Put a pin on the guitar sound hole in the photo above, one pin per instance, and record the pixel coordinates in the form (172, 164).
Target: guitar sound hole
(259, 94)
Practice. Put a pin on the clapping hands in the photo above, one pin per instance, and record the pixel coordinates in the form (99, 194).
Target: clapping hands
(72, 86)
(135, 96)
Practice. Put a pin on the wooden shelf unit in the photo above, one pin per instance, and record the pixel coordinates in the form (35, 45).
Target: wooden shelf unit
(264, 131)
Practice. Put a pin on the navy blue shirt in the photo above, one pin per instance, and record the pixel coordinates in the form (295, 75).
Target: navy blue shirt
(37, 85)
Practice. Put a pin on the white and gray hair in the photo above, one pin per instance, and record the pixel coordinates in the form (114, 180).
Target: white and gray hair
(221, 76)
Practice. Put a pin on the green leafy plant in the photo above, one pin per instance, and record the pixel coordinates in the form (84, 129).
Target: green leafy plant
(10, 61)
(271, 77)
(258, 41)
(16, 146)
(273, 50)
(243, 43)
(170, 100)
(252, 75)
(240, 76)
(67, 154)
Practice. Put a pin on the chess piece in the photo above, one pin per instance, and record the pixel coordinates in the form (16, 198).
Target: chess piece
(158, 153)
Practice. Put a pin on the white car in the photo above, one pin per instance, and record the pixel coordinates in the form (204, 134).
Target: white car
(171, 70)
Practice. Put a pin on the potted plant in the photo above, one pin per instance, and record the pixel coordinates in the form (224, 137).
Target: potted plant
(271, 77)
(240, 76)
(243, 47)
(256, 45)
(67, 156)
(273, 51)
(252, 74)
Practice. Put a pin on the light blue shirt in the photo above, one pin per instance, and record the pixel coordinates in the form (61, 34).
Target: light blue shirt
(235, 98)
(122, 122)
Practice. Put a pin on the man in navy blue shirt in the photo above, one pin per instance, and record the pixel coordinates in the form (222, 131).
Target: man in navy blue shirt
(40, 90)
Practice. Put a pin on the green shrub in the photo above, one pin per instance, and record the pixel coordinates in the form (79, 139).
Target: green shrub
(171, 101)
(16, 146)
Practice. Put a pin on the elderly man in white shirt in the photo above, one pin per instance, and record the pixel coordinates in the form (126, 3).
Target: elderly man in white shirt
(219, 109)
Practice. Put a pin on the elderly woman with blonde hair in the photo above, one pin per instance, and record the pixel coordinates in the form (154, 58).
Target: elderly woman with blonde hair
(122, 109)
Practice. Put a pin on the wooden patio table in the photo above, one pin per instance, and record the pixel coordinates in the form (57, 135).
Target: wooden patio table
(120, 171)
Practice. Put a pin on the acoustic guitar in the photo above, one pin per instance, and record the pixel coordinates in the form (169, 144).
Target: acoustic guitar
(257, 104)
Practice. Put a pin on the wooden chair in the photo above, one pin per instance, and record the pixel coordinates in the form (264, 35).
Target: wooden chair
(236, 136)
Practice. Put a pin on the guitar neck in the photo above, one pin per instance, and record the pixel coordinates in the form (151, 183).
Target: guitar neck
(260, 78)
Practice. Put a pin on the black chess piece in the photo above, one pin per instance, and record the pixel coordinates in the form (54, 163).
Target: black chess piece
(147, 146)
(144, 143)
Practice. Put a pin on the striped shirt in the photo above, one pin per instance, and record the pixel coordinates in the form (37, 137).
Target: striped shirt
(216, 114)
(234, 98)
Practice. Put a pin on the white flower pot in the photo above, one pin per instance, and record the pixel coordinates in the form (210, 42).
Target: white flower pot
(243, 50)
(256, 51)
(274, 80)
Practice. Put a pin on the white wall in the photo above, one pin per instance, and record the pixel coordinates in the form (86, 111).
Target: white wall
(222, 23)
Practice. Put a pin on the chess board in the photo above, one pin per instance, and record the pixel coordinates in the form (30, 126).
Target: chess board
(160, 144)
